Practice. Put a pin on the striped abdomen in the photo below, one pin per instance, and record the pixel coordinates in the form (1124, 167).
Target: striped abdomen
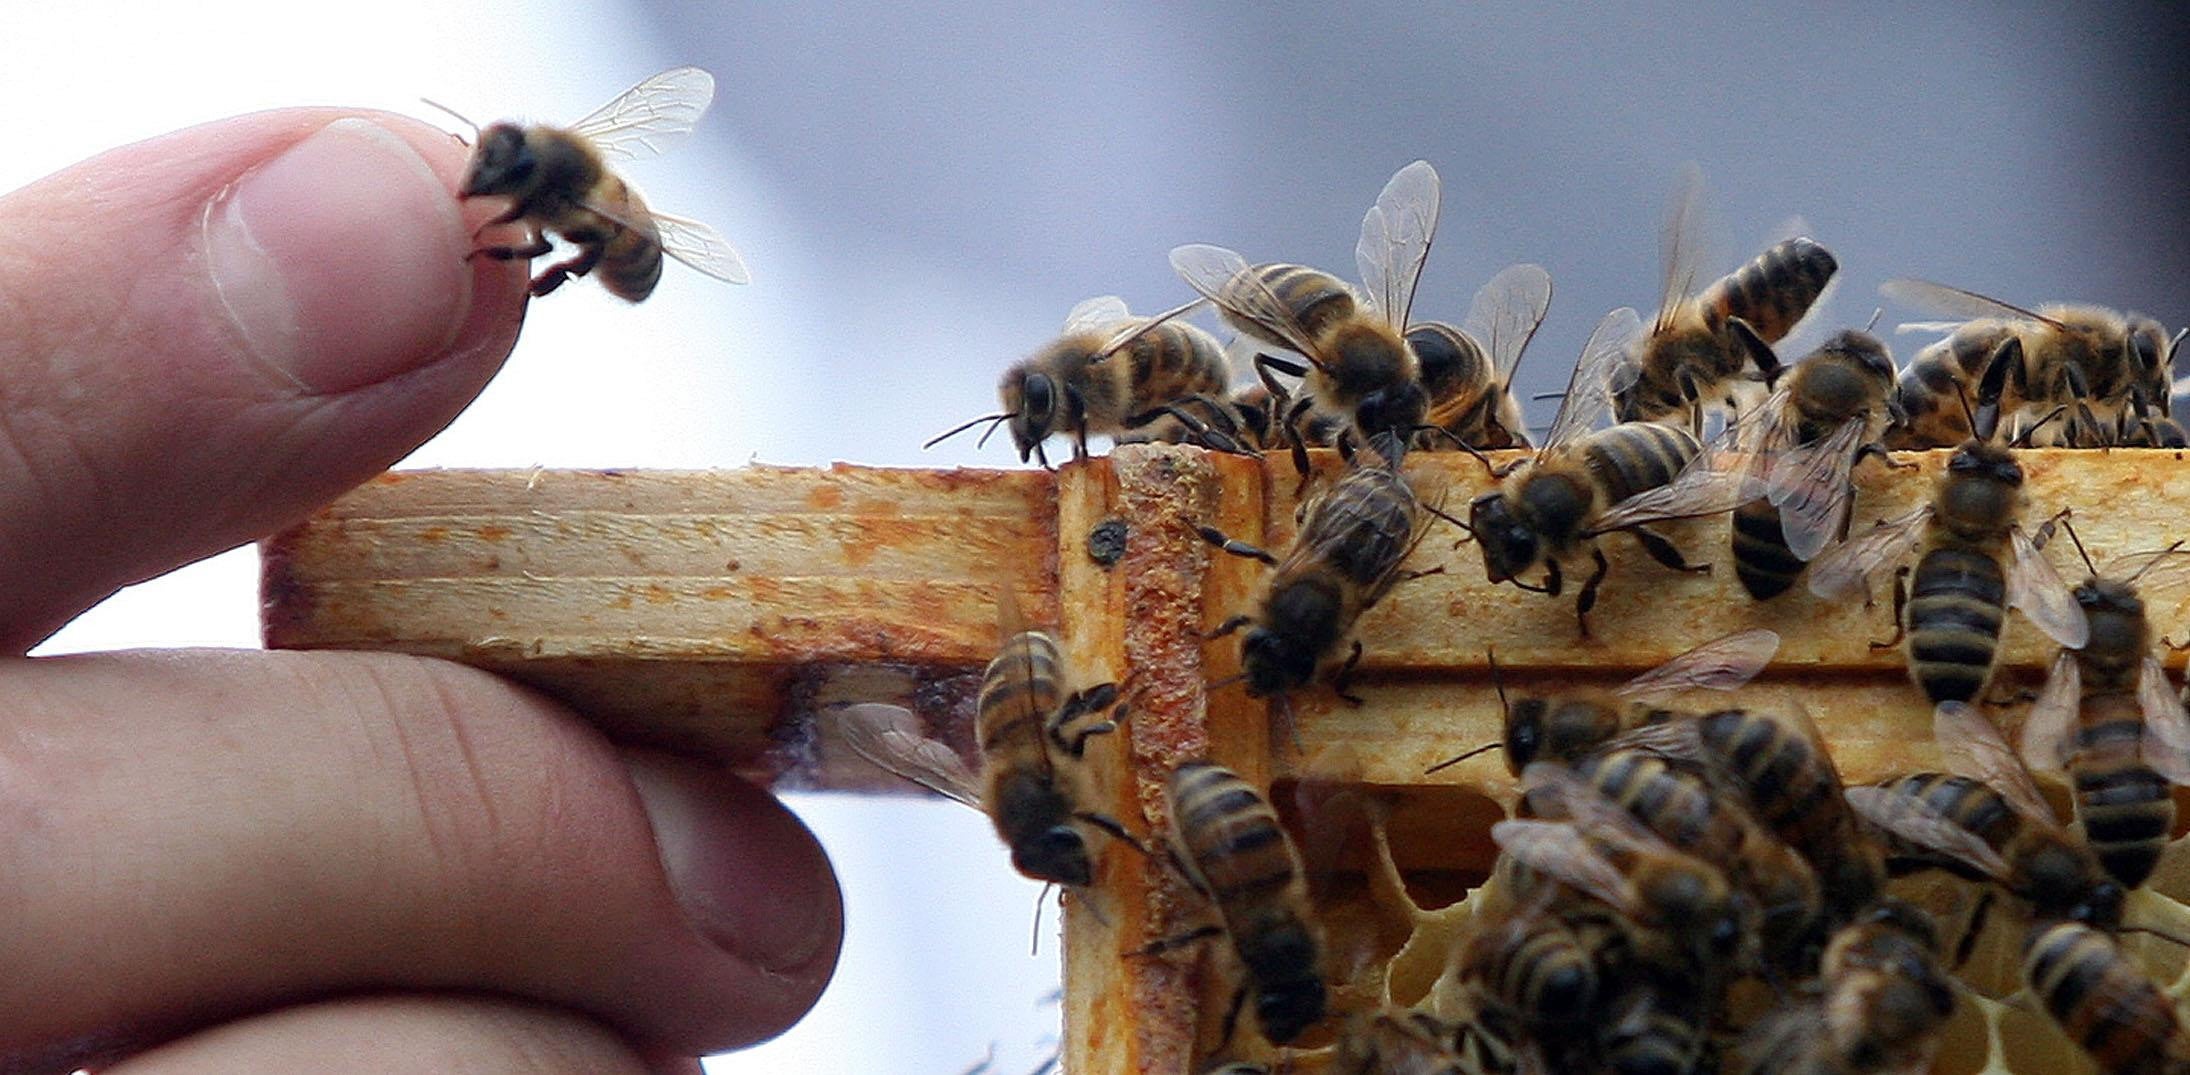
(631, 257)
(1774, 290)
(1762, 560)
(1675, 805)
(1315, 299)
(1957, 598)
(1632, 457)
(1361, 528)
(1467, 399)
(1656, 1031)
(2127, 810)
(1169, 362)
(1023, 685)
(1970, 804)
(1934, 385)
(1795, 791)
(2103, 1001)
(1545, 972)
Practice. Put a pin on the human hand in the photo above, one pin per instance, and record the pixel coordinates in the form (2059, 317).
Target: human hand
(236, 861)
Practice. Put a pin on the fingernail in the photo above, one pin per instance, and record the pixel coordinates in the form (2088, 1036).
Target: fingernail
(340, 263)
(749, 876)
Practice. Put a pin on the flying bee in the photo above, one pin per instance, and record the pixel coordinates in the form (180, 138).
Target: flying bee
(1358, 364)
(1226, 841)
(557, 179)
(1776, 760)
(1029, 719)
(1880, 1002)
(2100, 363)
(1680, 914)
(2109, 718)
(1977, 563)
(1827, 412)
(1108, 372)
(1468, 371)
(1345, 555)
(2104, 1001)
(1991, 824)
(1582, 485)
(1703, 346)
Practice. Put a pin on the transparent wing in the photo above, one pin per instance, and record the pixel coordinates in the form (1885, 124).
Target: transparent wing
(1224, 278)
(700, 247)
(2152, 569)
(1722, 664)
(1978, 749)
(1556, 850)
(1717, 479)
(1811, 487)
(1135, 328)
(1506, 314)
(1845, 570)
(2051, 722)
(1680, 246)
(1919, 823)
(891, 737)
(2035, 588)
(2166, 725)
(1596, 376)
(1675, 740)
(1094, 314)
(1395, 240)
(1947, 301)
(648, 117)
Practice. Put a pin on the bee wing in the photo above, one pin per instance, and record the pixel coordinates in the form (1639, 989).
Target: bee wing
(1674, 740)
(1135, 329)
(700, 247)
(646, 118)
(1845, 570)
(1971, 740)
(1919, 823)
(1212, 270)
(1395, 240)
(1947, 301)
(1602, 370)
(1717, 479)
(1722, 664)
(1100, 312)
(1810, 487)
(1680, 245)
(1506, 314)
(2051, 722)
(2166, 725)
(891, 737)
(1557, 850)
(1566, 794)
(2034, 587)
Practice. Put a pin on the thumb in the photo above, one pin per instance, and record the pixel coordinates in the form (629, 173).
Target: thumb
(209, 334)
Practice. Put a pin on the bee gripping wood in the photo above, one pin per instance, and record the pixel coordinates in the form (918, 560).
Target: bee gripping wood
(719, 612)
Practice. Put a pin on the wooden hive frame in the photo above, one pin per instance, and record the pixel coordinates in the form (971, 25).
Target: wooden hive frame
(719, 612)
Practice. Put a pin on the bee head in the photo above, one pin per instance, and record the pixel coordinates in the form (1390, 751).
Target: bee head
(1275, 662)
(1509, 545)
(503, 163)
(1057, 854)
(1398, 409)
(1030, 398)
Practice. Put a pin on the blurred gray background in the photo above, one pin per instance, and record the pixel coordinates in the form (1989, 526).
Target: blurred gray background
(923, 192)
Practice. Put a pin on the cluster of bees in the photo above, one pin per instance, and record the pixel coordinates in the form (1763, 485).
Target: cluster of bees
(1661, 860)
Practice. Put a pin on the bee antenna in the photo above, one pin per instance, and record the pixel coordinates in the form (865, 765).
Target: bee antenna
(1457, 759)
(2156, 933)
(2022, 439)
(2079, 543)
(1497, 682)
(1034, 938)
(1876, 313)
(1227, 681)
(459, 116)
(992, 419)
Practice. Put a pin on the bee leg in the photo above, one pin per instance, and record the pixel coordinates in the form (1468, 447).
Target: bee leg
(1116, 830)
(525, 251)
(1229, 626)
(1972, 929)
(588, 256)
(1900, 605)
(1298, 441)
(1554, 579)
(1216, 537)
(1231, 1016)
(1662, 549)
(1760, 353)
(1588, 597)
(1173, 944)
(1342, 681)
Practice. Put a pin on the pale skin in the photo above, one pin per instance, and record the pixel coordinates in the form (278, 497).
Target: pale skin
(234, 861)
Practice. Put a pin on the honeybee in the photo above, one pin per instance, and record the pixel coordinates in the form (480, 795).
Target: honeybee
(1879, 1004)
(1532, 969)
(1467, 371)
(1358, 364)
(2109, 718)
(1029, 719)
(1657, 1028)
(557, 179)
(1702, 346)
(1977, 563)
(1108, 372)
(1395, 1041)
(2099, 363)
(1992, 824)
(1250, 419)
(1345, 556)
(1582, 485)
(1228, 844)
(2104, 1001)
(1826, 413)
